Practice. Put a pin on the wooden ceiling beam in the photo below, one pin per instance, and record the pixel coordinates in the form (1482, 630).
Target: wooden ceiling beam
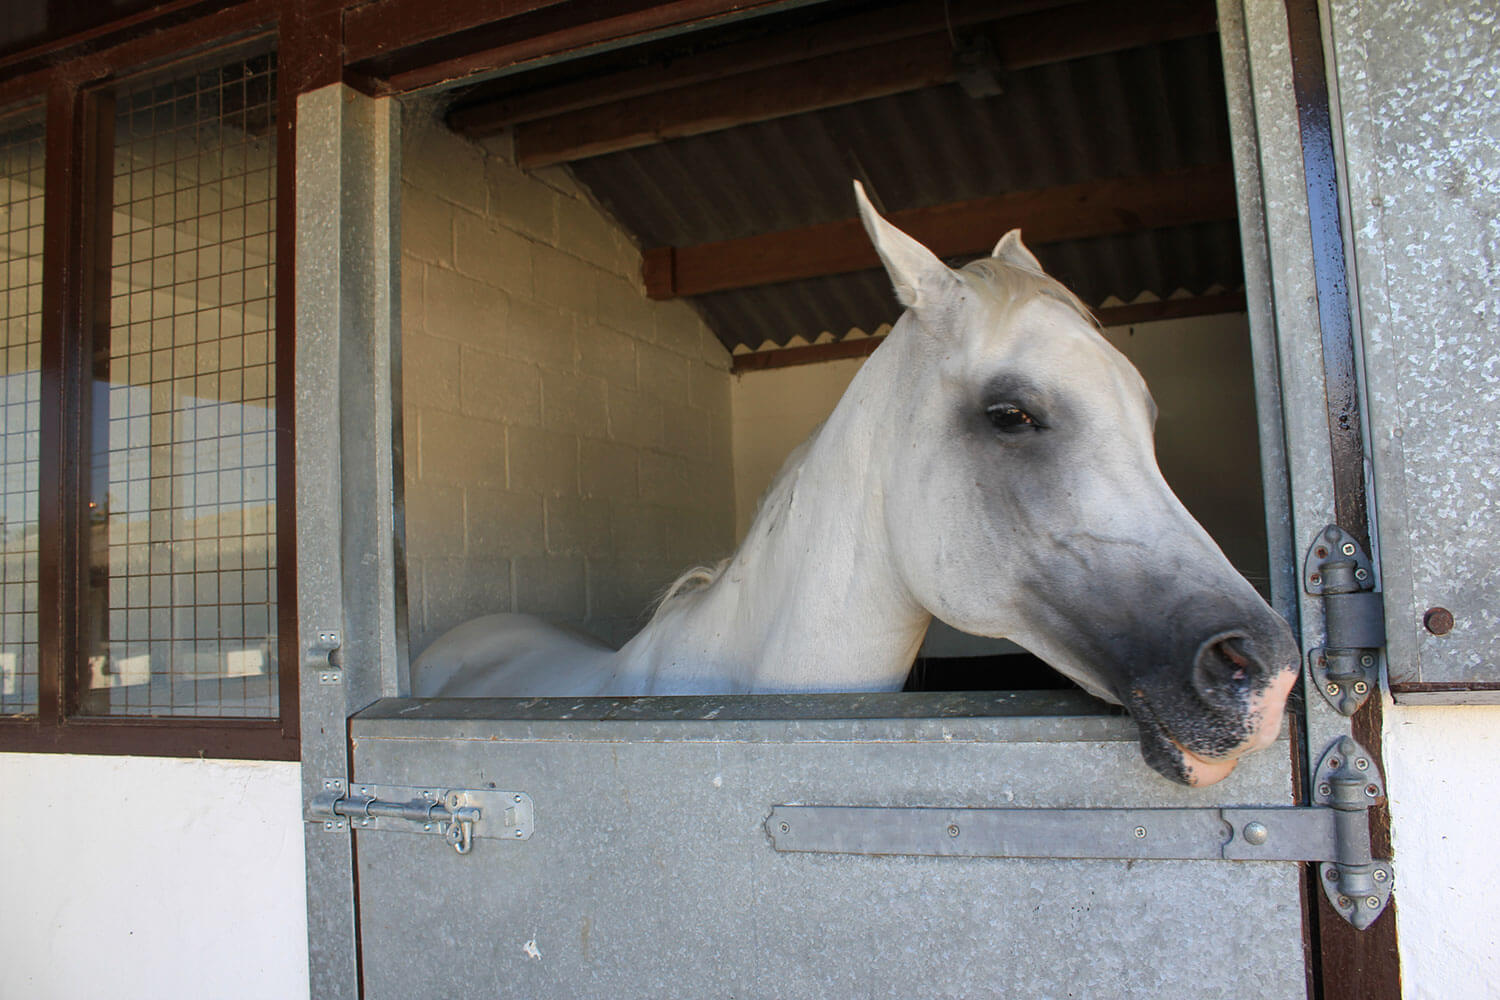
(1075, 211)
(385, 26)
(916, 17)
(708, 103)
(544, 32)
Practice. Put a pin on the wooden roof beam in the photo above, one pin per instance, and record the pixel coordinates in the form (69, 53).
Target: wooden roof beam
(828, 79)
(916, 17)
(1075, 211)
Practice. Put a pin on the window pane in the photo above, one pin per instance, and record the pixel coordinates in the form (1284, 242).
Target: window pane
(180, 614)
(21, 147)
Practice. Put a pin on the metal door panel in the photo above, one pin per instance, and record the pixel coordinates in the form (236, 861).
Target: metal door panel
(650, 872)
(1420, 128)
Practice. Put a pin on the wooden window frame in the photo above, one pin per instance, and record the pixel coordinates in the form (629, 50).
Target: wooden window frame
(76, 260)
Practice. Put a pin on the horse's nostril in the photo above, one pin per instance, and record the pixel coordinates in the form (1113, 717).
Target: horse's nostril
(1223, 665)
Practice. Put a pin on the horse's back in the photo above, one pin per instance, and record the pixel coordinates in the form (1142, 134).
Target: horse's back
(513, 655)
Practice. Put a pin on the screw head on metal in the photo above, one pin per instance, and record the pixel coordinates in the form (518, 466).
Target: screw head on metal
(518, 834)
(1345, 902)
(1360, 687)
(953, 829)
(1362, 763)
(1325, 789)
(1380, 875)
(1360, 574)
(785, 827)
(1438, 621)
(1348, 549)
(1256, 833)
(1332, 874)
(515, 798)
(1372, 791)
(1367, 660)
(1373, 902)
(1140, 833)
(1331, 688)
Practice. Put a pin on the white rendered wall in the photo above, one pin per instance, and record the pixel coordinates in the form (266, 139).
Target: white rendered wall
(1441, 765)
(140, 877)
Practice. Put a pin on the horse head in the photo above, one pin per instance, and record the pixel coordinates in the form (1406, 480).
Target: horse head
(1023, 501)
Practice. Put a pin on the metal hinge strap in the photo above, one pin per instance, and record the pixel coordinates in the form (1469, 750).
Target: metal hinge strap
(1335, 831)
(1357, 885)
(458, 815)
(1283, 833)
(1346, 667)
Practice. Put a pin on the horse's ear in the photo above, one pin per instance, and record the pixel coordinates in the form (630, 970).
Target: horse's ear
(920, 278)
(1012, 251)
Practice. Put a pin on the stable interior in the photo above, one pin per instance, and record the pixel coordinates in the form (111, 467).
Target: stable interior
(612, 339)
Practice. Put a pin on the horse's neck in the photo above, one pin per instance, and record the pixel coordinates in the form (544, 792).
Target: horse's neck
(812, 600)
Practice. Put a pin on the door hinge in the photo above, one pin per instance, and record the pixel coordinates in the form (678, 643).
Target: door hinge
(458, 815)
(1347, 667)
(1334, 831)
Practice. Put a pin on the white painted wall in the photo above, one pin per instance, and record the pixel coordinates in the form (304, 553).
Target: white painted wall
(1441, 767)
(138, 877)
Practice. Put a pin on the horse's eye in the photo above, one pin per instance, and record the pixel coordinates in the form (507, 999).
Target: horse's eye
(1009, 419)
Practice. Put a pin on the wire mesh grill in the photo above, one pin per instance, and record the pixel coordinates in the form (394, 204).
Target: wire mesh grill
(180, 617)
(21, 183)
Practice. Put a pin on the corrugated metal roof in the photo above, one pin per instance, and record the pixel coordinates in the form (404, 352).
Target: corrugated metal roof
(1136, 112)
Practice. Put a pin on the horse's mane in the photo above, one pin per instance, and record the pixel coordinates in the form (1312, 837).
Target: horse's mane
(703, 576)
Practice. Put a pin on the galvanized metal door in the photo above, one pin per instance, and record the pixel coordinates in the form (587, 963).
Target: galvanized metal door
(650, 869)
(635, 857)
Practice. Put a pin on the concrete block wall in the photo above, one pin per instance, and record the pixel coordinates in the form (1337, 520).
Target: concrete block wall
(567, 439)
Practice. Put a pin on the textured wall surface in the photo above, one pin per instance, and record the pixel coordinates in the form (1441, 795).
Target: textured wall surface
(179, 878)
(567, 439)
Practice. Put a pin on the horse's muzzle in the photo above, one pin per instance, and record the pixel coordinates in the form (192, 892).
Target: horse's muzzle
(1233, 705)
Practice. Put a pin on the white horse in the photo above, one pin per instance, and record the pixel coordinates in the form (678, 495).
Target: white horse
(992, 464)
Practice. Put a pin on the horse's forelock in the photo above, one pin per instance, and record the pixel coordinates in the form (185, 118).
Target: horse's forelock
(1013, 286)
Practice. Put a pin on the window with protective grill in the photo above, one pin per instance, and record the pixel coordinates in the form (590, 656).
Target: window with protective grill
(21, 184)
(179, 614)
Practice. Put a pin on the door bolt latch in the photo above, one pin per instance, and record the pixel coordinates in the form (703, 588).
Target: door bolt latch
(458, 815)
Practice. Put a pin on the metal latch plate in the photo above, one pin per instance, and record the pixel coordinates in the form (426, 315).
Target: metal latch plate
(491, 813)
